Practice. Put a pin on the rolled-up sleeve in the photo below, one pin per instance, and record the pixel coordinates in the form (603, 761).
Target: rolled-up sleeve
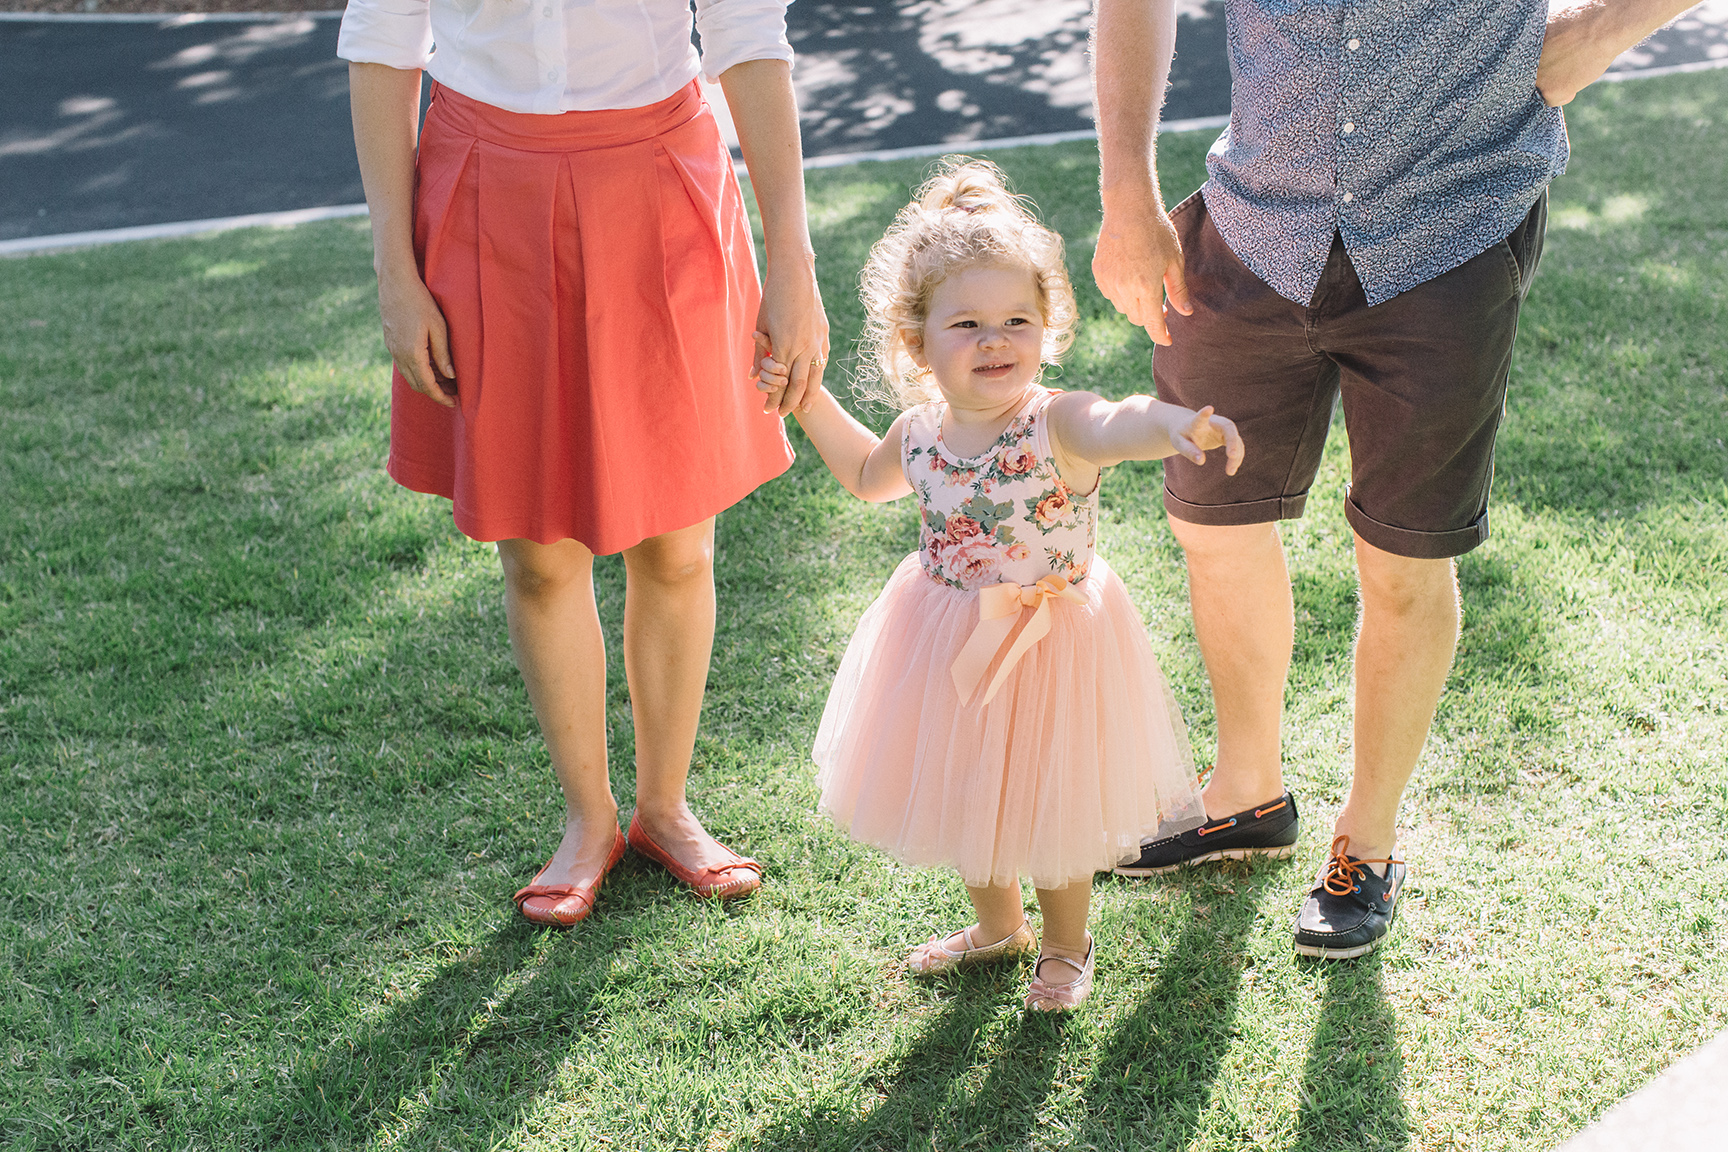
(393, 32)
(733, 31)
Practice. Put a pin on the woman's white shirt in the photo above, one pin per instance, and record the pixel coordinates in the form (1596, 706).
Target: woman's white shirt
(550, 56)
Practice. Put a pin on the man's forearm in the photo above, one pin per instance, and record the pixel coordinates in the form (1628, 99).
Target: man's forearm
(1620, 24)
(1132, 44)
(1584, 38)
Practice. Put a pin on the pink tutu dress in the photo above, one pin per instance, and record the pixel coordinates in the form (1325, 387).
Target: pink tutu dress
(1050, 756)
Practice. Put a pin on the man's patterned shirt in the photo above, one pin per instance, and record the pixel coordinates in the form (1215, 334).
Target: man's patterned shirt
(1412, 128)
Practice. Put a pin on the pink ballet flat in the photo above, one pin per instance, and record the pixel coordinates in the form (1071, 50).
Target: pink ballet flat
(1044, 996)
(932, 956)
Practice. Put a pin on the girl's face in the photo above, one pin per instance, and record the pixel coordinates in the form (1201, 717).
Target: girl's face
(983, 337)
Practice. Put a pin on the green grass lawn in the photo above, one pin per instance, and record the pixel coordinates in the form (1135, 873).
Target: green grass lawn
(268, 775)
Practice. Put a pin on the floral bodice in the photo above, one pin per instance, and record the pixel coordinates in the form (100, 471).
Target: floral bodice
(1001, 515)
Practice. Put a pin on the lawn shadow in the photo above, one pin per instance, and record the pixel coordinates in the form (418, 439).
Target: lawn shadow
(462, 1059)
(1353, 1084)
(915, 1093)
(1154, 1074)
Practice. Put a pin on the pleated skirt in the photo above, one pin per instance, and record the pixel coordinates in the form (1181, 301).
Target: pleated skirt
(599, 281)
(1081, 754)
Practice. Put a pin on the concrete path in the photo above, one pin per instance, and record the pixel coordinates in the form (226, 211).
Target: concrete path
(1683, 1110)
(110, 123)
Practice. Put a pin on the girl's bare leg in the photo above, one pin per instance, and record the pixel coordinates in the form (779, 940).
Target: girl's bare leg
(555, 634)
(668, 640)
(1065, 911)
(1000, 912)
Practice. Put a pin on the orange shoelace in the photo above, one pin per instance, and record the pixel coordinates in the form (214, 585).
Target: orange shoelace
(1342, 872)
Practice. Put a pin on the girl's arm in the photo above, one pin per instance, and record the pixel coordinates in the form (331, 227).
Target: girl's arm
(1095, 433)
(865, 466)
(759, 93)
(386, 106)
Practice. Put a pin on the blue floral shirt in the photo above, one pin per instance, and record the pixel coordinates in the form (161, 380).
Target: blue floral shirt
(1412, 128)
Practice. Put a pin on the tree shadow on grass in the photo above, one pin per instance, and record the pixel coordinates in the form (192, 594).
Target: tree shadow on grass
(460, 1060)
(1353, 1084)
(917, 1096)
(1154, 1075)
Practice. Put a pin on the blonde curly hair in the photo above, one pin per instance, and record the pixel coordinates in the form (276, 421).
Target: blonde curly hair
(963, 216)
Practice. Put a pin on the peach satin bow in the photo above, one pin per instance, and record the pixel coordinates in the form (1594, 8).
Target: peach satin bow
(999, 608)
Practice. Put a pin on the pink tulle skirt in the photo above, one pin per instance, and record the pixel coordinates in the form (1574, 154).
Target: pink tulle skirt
(1080, 755)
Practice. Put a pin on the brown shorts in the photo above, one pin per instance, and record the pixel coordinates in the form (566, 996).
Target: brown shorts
(1422, 377)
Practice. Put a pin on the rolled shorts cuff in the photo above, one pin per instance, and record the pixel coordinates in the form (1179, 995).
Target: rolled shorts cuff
(1246, 512)
(1415, 545)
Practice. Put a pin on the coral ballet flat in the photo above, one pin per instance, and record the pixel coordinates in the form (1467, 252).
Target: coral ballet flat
(716, 881)
(564, 895)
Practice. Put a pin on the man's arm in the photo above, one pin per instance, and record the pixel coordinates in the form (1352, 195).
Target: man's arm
(1138, 257)
(1583, 39)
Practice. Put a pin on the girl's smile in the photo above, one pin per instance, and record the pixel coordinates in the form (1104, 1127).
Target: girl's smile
(983, 340)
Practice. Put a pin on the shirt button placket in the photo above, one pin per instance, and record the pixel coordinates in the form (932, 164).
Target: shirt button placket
(1348, 127)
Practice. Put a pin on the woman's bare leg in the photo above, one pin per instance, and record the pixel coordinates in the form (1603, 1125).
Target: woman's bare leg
(668, 640)
(555, 634)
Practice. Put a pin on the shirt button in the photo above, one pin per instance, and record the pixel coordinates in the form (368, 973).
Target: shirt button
(1348, 197)
(1353, 44)
(1349, 127)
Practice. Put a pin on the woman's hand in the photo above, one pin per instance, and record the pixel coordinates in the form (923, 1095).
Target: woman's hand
(791, 326)
(417, 337)
(386, 107)
(792, 337)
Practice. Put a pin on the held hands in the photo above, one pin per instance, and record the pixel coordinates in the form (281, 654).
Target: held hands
(1138, 261)
(415, 333)
(771, 375)
(791, 342)
(1191, 438)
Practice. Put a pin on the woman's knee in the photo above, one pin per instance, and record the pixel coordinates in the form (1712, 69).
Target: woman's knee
(537, 570)
(676, 559)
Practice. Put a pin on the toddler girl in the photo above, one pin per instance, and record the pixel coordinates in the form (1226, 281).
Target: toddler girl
(998, 710)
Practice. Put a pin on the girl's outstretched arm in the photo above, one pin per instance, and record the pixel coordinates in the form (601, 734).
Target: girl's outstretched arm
(1094, 431)
(867, 467)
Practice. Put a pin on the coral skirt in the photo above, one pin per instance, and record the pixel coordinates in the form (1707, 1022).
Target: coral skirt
(1080, 755)
(598, 278)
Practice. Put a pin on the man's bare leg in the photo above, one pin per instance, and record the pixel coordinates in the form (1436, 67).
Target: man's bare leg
(1245, 623)
(1404, 651)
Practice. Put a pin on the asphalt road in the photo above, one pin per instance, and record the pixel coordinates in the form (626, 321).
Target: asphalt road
(108, 124)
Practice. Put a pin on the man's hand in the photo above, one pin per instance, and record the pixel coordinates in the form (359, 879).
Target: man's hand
(1138, 261)
(1584, 38)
